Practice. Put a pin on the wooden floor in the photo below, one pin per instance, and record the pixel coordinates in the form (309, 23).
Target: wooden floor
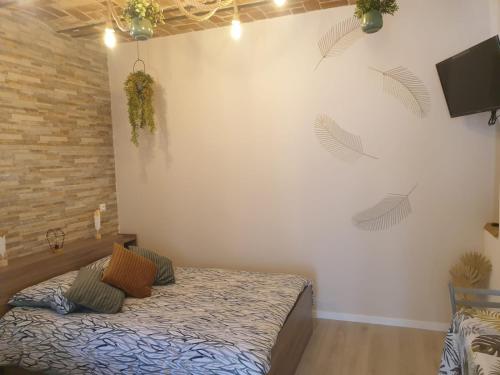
(343, 348)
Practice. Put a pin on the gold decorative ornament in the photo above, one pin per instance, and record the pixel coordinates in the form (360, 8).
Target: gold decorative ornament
(55, 238)
(472, 271)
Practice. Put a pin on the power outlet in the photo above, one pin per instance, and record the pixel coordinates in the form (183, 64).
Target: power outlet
(102, 207)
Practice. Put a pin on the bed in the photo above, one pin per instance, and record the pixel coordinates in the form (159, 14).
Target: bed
(472, 346)
(211, 321)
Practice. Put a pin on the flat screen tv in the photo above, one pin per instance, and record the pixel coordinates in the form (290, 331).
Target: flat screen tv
(471, 79)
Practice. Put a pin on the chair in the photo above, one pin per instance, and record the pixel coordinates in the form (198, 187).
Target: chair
(473, 292)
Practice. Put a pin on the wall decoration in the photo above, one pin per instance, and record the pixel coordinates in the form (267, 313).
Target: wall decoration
(339, 142)
(3, 250)
(340, 37)
(390, 211)
(55, 238)
(139, 90)
(472, 271)
(370, 12)
(408, 88)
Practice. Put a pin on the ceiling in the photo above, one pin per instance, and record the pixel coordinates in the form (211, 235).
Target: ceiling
(87, 18)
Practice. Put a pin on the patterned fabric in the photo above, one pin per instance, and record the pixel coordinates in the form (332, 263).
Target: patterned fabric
(130, 272)
(48, 294)
(472, 346)
(89, 291)
(210, 322)
(165, 273)
(100, 264)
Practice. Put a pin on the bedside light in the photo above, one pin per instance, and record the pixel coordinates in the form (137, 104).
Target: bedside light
(3, 250)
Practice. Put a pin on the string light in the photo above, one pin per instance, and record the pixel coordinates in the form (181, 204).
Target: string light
(236, 29)
(279, 3)
(109, 32)
(110, 37)
(236, 24)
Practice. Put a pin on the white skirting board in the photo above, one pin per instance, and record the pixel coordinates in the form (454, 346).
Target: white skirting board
(379, 320)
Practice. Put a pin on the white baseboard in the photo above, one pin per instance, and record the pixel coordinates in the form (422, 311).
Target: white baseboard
(379, 320)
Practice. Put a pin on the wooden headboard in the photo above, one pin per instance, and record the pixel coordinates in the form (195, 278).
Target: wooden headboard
(29, 270)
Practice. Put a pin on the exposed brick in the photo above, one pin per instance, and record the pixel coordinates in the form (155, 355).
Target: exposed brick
(56, 146)
(86, 18)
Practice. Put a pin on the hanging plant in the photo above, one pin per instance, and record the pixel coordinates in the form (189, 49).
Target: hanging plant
(143, 9)
(370, 12)
(139, 90)
(142, 16)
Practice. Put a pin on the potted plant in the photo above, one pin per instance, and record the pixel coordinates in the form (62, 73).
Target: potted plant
(139, 90)
(142, 16)
(370, 12)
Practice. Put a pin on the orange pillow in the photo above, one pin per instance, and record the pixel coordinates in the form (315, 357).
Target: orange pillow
(130, 272)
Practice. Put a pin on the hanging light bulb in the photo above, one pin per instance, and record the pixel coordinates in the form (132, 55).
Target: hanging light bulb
(109, 37)
(236, 24)
(279, 3)
(236, 29)
(109, 32)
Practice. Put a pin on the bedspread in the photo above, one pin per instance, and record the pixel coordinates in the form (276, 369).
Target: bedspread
(472, 346)
(211, 321)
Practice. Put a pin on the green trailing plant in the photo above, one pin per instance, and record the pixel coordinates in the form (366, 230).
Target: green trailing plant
(383, 6)
(143, 9)
(139, 90)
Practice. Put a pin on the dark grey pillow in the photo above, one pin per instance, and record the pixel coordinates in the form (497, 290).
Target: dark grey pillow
(89, 291)
(165, 273)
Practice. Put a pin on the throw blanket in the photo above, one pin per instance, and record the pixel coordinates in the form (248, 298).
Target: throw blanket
(472, 346)
(211, 321)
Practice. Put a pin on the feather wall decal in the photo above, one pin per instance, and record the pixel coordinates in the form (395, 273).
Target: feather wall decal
(408, 88)
(391, 210)
(339, 142)
(340, 37)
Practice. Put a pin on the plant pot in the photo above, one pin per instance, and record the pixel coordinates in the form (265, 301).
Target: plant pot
(141, 29)
(372, 21)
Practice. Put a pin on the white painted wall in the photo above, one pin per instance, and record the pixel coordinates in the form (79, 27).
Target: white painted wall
(492, 244)
(235, 177)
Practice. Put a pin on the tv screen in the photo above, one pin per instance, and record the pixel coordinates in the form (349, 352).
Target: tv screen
(471, 79)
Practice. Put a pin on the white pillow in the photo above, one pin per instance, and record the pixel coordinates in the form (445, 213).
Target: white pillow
(48, 294)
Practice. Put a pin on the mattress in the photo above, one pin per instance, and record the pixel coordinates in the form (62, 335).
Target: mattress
(211, 321)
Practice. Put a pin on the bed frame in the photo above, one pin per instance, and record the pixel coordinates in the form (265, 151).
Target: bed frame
(23, 272)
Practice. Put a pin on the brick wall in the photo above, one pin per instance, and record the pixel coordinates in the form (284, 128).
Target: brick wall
(56, 146)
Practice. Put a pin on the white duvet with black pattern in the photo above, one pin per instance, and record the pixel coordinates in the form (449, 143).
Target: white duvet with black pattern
(210, 322)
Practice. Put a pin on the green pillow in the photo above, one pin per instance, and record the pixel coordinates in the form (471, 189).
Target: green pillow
(89, 291)
(165, 273)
